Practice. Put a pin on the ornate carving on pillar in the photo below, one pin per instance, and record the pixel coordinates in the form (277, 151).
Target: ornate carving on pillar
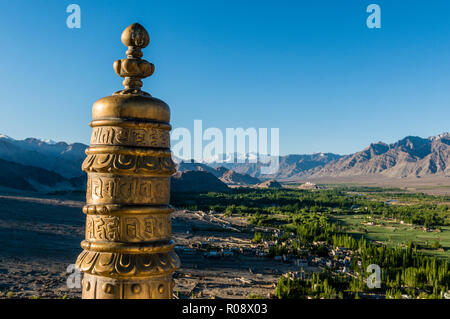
(128, 251)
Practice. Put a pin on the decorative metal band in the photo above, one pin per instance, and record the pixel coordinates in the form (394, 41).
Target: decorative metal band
(156, 287)
(125, 189)
(127, 136)
(116, 209)
(128, 228)
(123, 150)
(118, 265)
(125, 248)
(129, 164)
(133, 123)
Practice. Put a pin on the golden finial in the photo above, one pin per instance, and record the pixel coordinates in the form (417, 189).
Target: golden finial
(128, 251)
(133, 68)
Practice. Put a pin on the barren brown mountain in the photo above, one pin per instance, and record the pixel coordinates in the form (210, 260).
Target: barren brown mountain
(226, 175)
(269, 184)
(196, 181)
(233, 178)
(410, 157)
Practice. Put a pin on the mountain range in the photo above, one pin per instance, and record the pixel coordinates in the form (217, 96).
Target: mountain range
(224, 174)
(62, 158)
(33, 164)
(411, 156)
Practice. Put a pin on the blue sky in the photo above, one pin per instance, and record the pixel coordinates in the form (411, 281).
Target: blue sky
(311, 68)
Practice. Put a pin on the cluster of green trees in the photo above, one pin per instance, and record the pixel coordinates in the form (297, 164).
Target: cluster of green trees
(262, 204)
(319, 285)
(402, 269)
(308, 214)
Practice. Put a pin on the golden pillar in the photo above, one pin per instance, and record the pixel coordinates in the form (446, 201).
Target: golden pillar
(128, 251)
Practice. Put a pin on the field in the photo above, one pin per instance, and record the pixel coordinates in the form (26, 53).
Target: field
(393, 233)
(41, 235)
(342, 230)
(427, 185)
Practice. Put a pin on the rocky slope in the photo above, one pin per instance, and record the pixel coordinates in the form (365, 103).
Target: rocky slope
(269, 184)
(62, 158)
(196, 181)
(410, 157)
(289, 166)
(233, 178)
(226, 175)
(30, 178)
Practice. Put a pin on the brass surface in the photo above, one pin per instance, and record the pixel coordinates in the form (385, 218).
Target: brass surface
(126, 104)
(128, 251)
